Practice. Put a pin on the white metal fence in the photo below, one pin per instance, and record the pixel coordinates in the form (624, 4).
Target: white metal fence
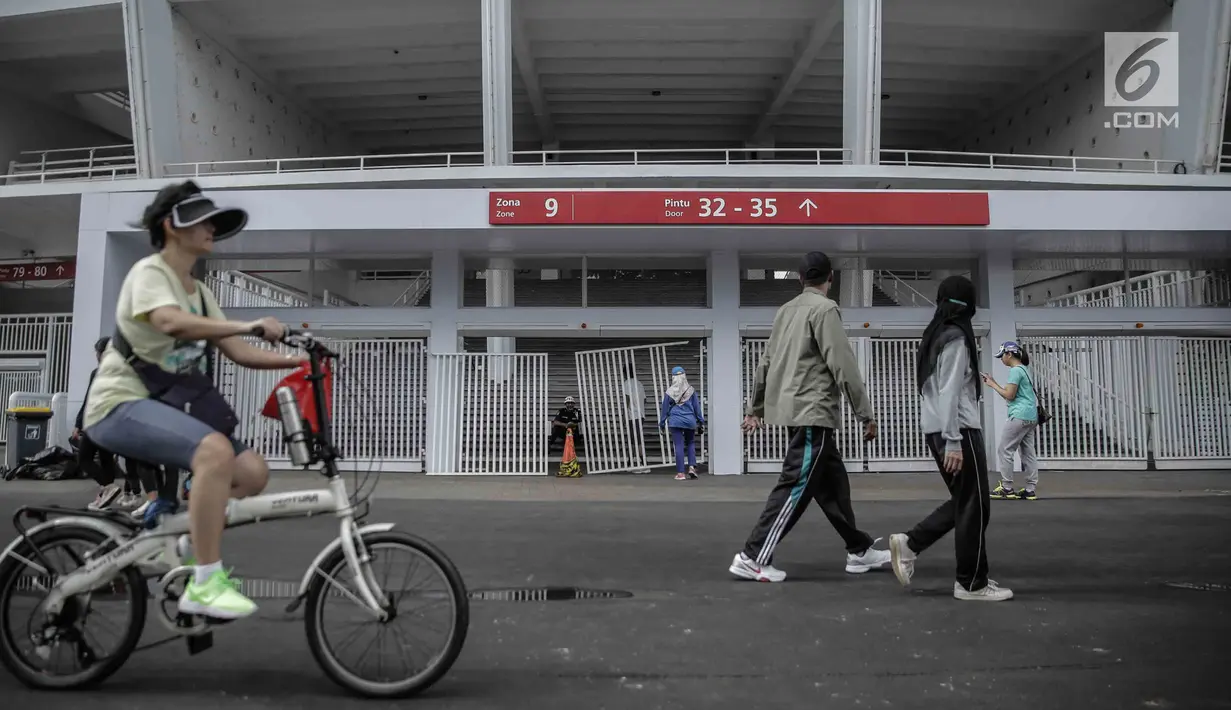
(1113, 402)
(379, 404)
(34, 355)
(1192, 391)
(491, 413)
(1095, 389)
(615, 431)
(235, 289)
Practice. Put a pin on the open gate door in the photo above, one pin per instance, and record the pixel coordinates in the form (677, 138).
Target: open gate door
(620, 390)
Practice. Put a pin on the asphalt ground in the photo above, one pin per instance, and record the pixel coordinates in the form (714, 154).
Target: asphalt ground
(1123, 600)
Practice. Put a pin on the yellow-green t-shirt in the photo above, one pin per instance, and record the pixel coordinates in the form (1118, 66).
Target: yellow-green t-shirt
(151, 284)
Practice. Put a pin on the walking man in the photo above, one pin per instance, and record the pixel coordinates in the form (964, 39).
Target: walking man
(806, 368)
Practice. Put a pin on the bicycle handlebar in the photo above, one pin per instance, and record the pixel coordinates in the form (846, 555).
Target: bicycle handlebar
(297, 339)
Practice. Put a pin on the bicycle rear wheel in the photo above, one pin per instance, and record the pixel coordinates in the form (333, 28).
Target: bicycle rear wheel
(71, 635)
(332, 591)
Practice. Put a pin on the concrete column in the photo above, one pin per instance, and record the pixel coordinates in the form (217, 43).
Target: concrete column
(500, 295)
(996, 295)
(1202, 50)
(103, 260)
(150, 43)
(861, 80)
(497, 38)
(446, 300)
(856, 285)
(725, 386)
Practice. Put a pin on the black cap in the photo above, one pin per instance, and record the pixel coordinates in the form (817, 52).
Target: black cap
(227, 221)
(815, 266)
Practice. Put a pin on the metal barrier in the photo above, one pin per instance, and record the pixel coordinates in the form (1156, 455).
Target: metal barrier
(491, 413)
(1114, 401)
(1192, 389)
(1160, 289)
(615, 436)
(379, 404)
(35, 355)
(1095, 388)
(107, 162)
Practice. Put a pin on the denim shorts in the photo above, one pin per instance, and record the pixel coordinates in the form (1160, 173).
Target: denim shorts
(150, 431)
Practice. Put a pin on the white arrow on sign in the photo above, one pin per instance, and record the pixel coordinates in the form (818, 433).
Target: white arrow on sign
(59, 270)
(807, 206)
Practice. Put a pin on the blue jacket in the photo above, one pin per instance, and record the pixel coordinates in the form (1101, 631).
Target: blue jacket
(681, 416)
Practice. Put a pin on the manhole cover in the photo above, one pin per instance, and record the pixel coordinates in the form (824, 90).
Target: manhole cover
(1204, 587)
(546, 594)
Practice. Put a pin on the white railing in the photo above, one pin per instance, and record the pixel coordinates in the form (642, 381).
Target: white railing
(490, 413)
(415, 292)
(1224, 158)
(379, 404)
(108, 162)
(674, 156)
(1161, 289)
(1193, 395)
(901, 291)
(236, 289)
(1018, 161)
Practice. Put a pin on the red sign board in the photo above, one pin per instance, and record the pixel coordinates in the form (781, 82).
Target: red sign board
(701, 207)
(39, 271)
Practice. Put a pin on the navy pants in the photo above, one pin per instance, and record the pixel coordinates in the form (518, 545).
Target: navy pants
(684, 438)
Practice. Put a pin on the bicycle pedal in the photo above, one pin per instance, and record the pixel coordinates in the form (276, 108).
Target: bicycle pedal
(200, 642)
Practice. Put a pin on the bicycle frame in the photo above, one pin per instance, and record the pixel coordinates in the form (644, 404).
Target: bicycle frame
(146, 545)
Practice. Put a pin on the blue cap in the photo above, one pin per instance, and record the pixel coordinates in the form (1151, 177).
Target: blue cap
(1009, 346)
(677, 370)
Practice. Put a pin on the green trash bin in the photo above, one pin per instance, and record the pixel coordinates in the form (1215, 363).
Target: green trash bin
(27, 433)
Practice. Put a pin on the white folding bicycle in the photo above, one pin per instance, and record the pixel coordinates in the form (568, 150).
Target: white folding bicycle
(117, 556)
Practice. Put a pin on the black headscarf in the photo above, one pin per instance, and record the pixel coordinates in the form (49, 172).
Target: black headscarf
(955, 307)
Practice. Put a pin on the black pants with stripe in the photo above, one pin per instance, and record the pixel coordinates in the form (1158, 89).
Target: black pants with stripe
(813, 470)
(966, 512)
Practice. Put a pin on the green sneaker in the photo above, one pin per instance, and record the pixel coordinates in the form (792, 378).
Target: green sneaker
(218, 598)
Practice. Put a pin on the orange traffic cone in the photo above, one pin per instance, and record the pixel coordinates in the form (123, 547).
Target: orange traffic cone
(569, 467)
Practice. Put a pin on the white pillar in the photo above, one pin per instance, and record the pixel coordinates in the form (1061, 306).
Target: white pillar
(150, 43)
(446, 300)
(725, 386)
(996, 292)
(856, 285)
(861, 80)
(497, 38)
(103, 260)
(500, 295)
(1202, 80)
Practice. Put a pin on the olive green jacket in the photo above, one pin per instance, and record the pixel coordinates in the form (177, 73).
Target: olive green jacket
(806, 367)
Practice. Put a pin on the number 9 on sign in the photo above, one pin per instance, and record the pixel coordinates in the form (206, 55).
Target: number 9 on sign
(552, 205)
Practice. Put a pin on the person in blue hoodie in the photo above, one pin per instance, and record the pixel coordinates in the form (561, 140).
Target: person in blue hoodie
(681, 414)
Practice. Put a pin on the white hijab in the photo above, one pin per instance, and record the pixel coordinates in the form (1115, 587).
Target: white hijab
(680, 391)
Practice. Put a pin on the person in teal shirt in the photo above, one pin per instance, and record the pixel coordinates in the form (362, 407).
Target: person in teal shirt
(1019, 430)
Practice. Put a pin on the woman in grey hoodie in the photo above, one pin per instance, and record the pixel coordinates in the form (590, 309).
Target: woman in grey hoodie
(948, 380)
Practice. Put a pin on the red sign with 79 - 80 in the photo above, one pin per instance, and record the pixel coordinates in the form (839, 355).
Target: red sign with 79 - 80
(700, 207)
(39, 271)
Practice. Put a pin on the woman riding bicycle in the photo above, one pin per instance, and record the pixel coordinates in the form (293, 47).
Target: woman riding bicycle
(152, 400)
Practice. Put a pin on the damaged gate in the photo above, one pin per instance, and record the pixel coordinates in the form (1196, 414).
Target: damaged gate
(620, 391)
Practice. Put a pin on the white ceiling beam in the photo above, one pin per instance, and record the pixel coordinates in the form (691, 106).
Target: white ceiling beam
(822, 29)
(530, 78)
(14, 8)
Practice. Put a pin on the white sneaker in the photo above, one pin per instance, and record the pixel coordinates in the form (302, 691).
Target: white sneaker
(128, 500)
(106, 495)
(871, 559)
(743, 566)
(139, 513)
(903, 558)
(991, 593)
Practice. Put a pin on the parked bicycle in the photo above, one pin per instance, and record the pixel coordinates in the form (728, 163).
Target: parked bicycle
(114, 558)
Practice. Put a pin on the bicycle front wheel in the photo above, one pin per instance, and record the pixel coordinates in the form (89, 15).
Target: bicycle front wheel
(424, 594)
